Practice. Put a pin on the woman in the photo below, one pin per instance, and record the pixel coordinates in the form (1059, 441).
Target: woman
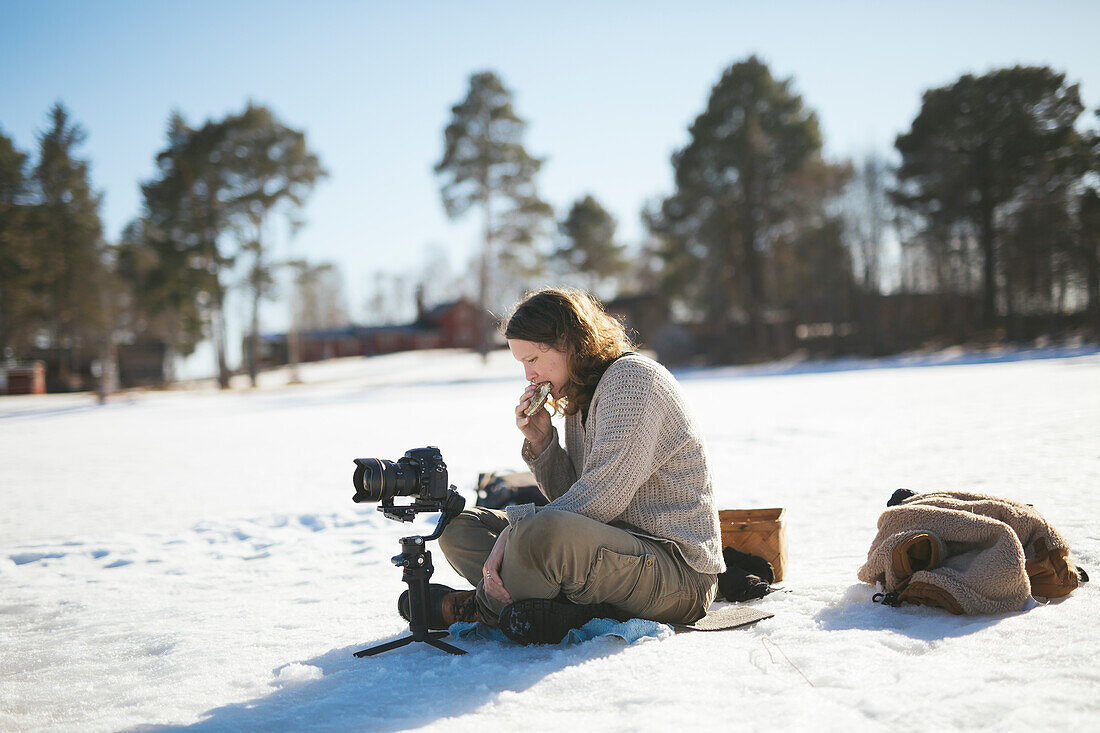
(631, 529)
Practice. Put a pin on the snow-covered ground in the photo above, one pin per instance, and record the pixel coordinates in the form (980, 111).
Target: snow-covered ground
(193, 559)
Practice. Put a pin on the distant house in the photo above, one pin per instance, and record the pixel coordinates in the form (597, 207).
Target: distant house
(25, 378)
(447, 326)
(455, 323)
(329, 344)
(644, 314)
(144, 363)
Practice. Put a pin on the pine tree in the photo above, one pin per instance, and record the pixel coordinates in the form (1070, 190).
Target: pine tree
(732, 197)
(20, 301)
(485, 165)
(186, 217)
(973, 149)
(271, 169)
(68, 243)
(217, 186)
(588, 243)
(1088, 233)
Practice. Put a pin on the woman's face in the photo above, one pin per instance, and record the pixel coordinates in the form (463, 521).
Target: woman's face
(541, 363)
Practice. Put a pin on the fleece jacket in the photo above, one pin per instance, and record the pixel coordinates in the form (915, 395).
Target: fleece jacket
(969, 553)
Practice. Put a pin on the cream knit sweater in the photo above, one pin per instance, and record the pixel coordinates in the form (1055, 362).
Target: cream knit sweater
(640, 464)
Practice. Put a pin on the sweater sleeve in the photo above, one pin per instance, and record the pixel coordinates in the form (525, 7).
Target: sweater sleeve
(623, 454)
(552, 468)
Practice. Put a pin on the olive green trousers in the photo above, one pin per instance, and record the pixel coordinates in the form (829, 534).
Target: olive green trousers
(553, 554)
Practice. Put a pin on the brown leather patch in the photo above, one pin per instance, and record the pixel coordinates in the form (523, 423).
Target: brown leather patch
(926, 594)
(919, 552)
(1051, 574)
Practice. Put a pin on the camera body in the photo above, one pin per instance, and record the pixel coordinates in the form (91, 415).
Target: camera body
(420, 473)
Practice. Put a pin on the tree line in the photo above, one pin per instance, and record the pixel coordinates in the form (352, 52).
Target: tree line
(992, 202)
(207, 213)
(991, 199)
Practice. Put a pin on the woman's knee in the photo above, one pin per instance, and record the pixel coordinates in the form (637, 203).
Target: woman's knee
(545, 528)
(473, 527)
(551, 536)
(469, 520)
(539, 555)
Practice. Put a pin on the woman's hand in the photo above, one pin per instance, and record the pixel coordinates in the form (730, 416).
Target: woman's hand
(491, 569)
(536, 428)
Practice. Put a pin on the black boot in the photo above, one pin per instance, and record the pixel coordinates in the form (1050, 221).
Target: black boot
(752, 564)
(546, 621)
(737, 584)
(747, 577)
(445, 606)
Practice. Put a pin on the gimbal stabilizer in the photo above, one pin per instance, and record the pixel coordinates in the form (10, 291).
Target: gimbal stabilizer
(417, 564)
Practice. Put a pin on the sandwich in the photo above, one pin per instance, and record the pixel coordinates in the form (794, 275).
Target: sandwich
(538, 399)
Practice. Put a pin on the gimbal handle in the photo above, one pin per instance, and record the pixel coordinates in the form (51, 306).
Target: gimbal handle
(451, 507)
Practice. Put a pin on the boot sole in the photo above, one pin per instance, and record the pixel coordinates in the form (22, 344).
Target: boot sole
(545, 621)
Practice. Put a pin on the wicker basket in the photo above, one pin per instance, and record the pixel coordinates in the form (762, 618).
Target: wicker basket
(758, 532)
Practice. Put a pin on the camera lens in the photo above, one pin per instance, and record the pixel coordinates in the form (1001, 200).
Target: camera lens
(376, 479)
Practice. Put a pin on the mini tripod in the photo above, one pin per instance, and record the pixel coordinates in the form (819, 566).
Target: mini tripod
(417, 562)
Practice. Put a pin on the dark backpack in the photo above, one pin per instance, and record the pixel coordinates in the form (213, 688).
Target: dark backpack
(498, 490)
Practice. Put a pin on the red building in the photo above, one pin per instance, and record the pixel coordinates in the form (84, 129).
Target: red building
(448, 326)
(28, 378)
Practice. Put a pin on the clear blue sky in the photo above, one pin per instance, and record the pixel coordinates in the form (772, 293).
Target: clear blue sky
(608, 88)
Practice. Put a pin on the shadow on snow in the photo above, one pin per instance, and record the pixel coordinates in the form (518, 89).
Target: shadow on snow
(858, 612)
(405, 688)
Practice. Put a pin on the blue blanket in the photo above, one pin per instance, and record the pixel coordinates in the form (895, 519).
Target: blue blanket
(629, 631)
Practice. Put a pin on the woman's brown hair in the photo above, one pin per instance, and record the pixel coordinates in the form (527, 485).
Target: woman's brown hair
(574, 323)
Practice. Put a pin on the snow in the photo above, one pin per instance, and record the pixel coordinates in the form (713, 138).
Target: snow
(194, 558)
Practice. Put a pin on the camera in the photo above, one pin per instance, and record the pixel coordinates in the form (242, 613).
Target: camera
(420, 473)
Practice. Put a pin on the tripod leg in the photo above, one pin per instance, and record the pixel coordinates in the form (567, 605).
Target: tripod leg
(396, 644)
(434, 641)
(432, 638)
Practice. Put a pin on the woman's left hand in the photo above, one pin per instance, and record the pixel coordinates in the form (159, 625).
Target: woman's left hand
(491, 569)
